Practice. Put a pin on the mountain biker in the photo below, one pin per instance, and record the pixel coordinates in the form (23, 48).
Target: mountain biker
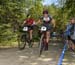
(46, 20)
(70, 34)
(73, 34)
(29, 21)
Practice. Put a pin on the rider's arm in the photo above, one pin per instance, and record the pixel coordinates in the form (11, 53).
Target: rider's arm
(39, 21)
(24, 22)
(34, 23)
(68, 26)
(53, 22)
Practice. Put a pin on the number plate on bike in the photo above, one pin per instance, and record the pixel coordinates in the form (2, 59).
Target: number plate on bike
(25, 29)
(43, 28)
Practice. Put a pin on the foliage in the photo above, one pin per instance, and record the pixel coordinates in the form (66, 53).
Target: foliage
(13, 11)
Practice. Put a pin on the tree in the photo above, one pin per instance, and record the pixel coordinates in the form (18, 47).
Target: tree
(15, 10)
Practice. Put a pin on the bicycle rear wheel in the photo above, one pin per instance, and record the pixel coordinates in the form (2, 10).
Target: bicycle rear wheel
(21, 42)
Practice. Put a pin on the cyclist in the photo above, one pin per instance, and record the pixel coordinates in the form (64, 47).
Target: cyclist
(70, 34)
(30, 24)
(73, 34)
(46, 20)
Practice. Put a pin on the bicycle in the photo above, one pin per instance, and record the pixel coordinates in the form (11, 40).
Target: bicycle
(42, 43)
(24, 38)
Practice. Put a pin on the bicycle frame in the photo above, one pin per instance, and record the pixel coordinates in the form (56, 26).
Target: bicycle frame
(23, 38)
(44, 34)
(42, 42)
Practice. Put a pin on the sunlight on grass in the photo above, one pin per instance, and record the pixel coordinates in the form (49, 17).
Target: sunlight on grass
(34, 63)
(48, 59)
(55, 44)
(22, 57)
(65, 63)
(65, 59)
(42, 56)
(68, 63)
(45, 59)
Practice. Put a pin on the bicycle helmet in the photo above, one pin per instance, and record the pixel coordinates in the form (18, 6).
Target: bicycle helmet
(45, 12)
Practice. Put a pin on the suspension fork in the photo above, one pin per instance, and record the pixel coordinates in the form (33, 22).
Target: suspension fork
(44, 37)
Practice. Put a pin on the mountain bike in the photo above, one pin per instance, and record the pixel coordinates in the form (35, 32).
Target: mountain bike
(24, 38)
(42, 43)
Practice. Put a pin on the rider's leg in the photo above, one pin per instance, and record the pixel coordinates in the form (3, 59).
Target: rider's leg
(47, 36)
(30, 33)
(73, 44)
(47, 39)
(69, 43)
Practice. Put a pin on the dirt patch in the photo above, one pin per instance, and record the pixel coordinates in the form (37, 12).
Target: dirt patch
(29, 56)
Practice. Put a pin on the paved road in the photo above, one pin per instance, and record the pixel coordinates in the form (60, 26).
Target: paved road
(29, 56)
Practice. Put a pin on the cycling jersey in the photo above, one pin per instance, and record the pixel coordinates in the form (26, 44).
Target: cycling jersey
(69, 29)
(30, 21)
(46, 19)
(46, 22)
(73, 32)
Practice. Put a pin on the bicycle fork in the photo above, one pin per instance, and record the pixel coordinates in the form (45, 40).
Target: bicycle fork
(45, 42)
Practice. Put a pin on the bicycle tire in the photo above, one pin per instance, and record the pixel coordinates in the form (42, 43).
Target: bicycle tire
(41, 45)
(21, 42)
(30, 42)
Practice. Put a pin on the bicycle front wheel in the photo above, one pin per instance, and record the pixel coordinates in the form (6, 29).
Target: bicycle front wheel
(21, 42)
(41, 45)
